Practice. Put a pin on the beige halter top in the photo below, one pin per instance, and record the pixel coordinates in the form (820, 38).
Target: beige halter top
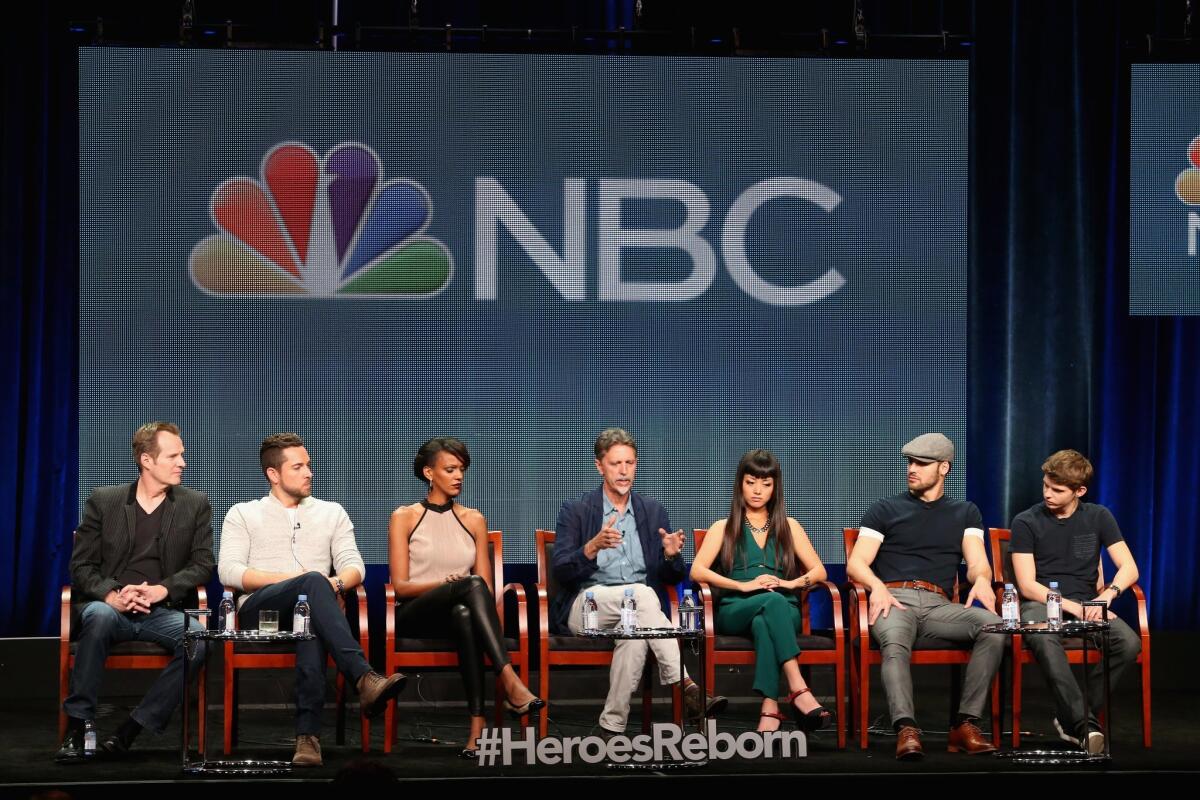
(439, 545)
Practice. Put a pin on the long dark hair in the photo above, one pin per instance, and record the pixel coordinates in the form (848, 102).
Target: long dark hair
(760, 464)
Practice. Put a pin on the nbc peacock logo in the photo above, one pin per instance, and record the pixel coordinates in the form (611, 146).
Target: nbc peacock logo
(320, 228)
(1187, 183)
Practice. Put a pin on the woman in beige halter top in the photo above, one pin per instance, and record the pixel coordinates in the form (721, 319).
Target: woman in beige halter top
(438, 554)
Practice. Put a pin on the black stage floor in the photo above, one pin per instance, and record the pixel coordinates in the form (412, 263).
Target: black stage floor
(27, 745)
(431, 728)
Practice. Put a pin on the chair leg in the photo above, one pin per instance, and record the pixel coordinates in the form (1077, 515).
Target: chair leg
(64, 678)
(340, 694)
(1146, 699)
(544, 693)
(366, 733)
(202, 708)
(230, 704)
(955, 693)
(864, 696)
(852, 685)
(839, 682)
(389, 725)
(497, 704)
(996, 711)
(1016, 700)
(647, 706)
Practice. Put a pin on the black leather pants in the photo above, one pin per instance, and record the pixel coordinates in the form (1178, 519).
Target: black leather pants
(466, 612)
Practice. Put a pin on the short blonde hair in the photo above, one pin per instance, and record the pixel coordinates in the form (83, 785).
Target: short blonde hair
(145, 440)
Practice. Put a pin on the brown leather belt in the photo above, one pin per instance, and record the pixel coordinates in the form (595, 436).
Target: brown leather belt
(922, 585)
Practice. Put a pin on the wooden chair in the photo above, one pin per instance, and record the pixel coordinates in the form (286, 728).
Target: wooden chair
(405, 653)
(864, 653)
(814, 650)
(1001, 538)
(126, 655)
(579, 651)
(241, 656)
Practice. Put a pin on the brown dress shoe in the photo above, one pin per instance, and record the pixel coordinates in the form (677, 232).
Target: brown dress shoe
(308, 751)
(374, 692)
(967, 738)
(908, 744)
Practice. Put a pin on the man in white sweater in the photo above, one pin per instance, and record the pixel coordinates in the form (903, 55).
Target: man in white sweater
(288, 544)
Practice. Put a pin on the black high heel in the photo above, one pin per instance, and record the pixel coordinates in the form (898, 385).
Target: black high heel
(533, 704)
(810, 721)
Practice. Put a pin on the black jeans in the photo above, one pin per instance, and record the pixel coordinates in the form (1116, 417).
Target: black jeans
(327, 622)
(468, 609)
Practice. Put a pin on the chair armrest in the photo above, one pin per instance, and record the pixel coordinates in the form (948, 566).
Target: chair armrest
(65, 615)
(710, 617)
(389, 616)
(835, 603)
(858, 609)
(522, 608)
(360, 600)
(1143, 616)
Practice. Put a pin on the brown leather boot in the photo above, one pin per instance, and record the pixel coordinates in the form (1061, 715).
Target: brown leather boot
(308, 751)
(374, 692)
(908, 744)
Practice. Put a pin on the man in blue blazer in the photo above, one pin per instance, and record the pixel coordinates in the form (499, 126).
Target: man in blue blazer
(609, 541)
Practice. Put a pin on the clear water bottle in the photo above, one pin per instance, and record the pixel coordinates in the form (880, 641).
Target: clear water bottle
(89, 738)
(301, 615)
(689, 613)
(1054, 607)
(628, 612)
(1011, 611)
(591, 614)
(227, 613)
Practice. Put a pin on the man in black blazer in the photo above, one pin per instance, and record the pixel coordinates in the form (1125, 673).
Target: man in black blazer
(610, 541)
(140, 550)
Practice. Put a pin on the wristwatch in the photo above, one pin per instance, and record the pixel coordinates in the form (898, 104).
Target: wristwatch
(341, 587)
(1115, 589)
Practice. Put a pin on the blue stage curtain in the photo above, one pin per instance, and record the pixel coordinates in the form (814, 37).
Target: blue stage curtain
(39, 434)
(1056, 360)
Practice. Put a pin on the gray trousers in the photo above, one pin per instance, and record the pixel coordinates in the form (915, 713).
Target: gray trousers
(629, 655)
(927, 615)
(1123, 648)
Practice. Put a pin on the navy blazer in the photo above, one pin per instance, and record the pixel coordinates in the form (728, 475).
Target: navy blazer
(580, 520)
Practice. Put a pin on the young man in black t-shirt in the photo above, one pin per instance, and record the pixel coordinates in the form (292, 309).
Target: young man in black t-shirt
(908, 551)
(1060, 540)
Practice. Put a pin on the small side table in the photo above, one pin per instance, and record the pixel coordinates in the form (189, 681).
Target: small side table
(1084, 629)
(228, 767)
(680, 635)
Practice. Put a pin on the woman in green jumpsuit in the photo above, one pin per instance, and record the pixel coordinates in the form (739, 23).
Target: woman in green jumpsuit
(759, 573)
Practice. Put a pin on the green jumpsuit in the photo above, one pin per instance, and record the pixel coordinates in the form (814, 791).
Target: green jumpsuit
(772, 619)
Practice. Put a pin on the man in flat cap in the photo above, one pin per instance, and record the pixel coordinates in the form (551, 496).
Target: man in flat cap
(908, 551)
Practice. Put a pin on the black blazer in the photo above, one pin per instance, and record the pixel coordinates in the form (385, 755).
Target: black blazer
(104, 543)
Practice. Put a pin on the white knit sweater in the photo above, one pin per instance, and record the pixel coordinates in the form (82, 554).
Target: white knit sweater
(259, 534)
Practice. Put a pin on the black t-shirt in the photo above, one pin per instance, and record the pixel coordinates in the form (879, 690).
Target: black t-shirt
(144, 564)
(1066, 550)
(921, 541)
